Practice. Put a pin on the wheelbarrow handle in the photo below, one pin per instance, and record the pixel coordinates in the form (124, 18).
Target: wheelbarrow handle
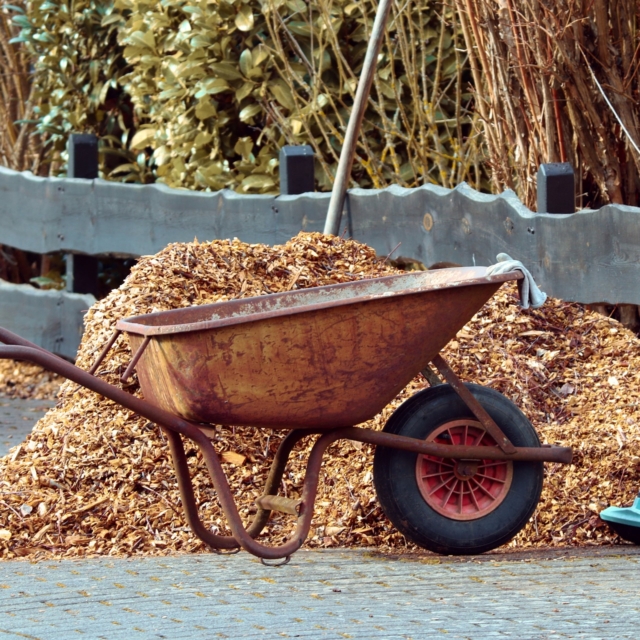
(172, 424)
(10, 338)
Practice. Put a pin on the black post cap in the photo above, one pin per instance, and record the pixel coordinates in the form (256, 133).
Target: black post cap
(83, 156)
(296, 169)
(556, 188)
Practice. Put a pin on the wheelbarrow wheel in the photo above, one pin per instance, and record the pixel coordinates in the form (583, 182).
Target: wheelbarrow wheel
(449, 506)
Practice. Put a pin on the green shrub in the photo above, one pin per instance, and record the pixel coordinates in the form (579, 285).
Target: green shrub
(77, 63)
(225, 84)
(203, 94)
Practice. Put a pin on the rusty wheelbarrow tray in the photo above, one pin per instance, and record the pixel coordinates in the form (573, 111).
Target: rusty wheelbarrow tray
(318, 361)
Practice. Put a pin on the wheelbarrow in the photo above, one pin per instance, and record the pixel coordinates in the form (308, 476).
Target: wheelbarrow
(457, 468)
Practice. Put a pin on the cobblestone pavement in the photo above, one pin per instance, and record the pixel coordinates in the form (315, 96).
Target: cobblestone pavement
(325, 594)
(17, 418)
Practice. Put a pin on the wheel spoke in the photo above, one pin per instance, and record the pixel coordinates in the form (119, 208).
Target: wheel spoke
(482, 475)
(436, 475)
(461, 497)
(455, 484)
(486, 491)
(473, 497)
(439, 461)
(442, 484)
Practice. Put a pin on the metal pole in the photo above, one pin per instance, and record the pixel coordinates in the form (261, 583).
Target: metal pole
(332, 224)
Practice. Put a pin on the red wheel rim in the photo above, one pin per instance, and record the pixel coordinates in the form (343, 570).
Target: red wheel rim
(463, 489)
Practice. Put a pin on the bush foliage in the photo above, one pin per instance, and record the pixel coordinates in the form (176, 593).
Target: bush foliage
(77, 64)
(202, 94)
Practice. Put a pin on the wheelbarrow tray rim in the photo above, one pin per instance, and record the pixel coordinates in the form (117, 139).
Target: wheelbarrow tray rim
(252, 309)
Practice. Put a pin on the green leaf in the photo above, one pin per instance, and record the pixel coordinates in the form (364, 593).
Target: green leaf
(211, 87)
(103, 93)
(282, 93)
(124, 168)
(296, 6)
(22, 21)
(225, 70)
(299, 28)
(249, 112)
(244, 91)
(112, 18)
(259, 55)
(200, 41)
(246, 62)
(142, 138)
(257, 183)
(202, 139)
(244, 148)
(244, 19)
(94, 70)
(43, 37)
(142, 39)
(205, 109)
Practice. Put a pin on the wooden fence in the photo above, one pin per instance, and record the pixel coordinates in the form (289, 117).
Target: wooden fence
(588, 256)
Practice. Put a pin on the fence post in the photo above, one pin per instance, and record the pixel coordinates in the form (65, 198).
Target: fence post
(82, 269)
(296, 169)
(556, 188)
(83, 156)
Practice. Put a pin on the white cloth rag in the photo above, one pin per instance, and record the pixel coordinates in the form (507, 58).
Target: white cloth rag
(530, 294)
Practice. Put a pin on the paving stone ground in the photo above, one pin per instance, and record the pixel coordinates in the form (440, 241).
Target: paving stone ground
(323, 594)
(17, 417)
(583, 593)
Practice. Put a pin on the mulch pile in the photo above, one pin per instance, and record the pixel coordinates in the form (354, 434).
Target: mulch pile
(93, 478)
(26, 380)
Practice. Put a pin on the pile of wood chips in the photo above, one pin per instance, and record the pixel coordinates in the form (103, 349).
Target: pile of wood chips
(25, 380)
(93, 478)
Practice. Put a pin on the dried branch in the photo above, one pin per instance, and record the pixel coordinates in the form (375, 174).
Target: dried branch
(540, 102)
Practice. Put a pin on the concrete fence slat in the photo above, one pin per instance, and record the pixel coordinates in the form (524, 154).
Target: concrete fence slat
(50, 319)
(588, 256)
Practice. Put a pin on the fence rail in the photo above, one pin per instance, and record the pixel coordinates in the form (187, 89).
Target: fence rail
(589, 256)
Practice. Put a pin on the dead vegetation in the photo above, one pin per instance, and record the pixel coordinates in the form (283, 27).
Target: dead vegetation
(558, 82)
(19, 149)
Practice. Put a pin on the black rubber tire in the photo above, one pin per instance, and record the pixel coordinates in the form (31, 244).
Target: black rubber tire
(394, 474)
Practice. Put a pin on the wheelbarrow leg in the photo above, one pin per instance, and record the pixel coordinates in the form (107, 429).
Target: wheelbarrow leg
(230, 509)
(187, 495)
(275, 477)
(188, 501)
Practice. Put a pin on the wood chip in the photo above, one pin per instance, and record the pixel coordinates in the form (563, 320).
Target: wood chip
(234, 458)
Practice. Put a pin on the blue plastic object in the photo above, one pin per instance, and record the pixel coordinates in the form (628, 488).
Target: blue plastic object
(625, 521)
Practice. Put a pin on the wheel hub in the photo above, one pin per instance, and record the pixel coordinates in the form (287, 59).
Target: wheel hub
(465, 469)
(463, 489)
